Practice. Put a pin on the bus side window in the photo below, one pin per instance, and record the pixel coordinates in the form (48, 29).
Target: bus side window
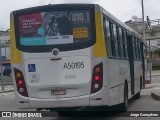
(137, 44)
(135, 48)
(121, 43)
(115, 40)
(125, 50)
(133, 41)
(108, 37)
(112, 39)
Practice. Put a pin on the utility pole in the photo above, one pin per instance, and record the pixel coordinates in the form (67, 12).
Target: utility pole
(144, 37)
(143, 20)
(150, 57)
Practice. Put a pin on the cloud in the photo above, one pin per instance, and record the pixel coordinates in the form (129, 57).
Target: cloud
(45, 2)
(7, 6)
(73, 1)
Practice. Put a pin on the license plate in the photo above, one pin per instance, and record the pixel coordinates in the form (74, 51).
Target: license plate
(59, 92)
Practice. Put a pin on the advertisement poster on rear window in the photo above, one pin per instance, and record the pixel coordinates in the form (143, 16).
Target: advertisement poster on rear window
(51, 28)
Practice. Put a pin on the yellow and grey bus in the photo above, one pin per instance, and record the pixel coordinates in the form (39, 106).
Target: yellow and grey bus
(74, 56)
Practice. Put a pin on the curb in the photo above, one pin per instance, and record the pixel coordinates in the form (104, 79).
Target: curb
(154, 75)
(155, 96)
(6, 84)
(6, 91)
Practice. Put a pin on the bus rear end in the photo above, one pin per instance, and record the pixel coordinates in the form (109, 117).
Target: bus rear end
(52, 56)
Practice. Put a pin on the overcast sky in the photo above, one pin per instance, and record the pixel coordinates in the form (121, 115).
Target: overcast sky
(122, 9)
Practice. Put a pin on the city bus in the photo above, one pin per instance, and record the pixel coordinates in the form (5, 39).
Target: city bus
(74, 56)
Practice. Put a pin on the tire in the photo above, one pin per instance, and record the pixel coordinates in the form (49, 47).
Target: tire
(141, 83)
(38, 109)
(62, 113)
(137, 96)
(124, 105)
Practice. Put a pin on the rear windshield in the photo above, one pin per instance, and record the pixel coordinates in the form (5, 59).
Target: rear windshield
(54, 28)
(65, 27)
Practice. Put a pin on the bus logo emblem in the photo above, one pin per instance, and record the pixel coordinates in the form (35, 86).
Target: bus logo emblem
(55, 51)
(31, 67)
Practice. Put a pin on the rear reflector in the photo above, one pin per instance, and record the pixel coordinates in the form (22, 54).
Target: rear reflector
(98, 98)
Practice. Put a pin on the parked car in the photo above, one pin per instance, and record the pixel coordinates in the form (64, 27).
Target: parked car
(7, 69)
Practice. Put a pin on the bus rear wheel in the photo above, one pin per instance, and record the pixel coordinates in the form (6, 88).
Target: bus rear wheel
(137, 96)
(124, 105)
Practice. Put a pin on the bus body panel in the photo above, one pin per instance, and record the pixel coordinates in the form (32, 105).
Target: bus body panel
(103, 94)
(118, 73)
(71, 73)
(137, 75)
(21, 101)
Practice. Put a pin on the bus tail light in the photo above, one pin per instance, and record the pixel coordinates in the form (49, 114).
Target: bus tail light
(20, 83)
(97, 78)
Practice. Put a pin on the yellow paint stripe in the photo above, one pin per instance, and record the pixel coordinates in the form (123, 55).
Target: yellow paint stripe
(99, 49)
(16, 55)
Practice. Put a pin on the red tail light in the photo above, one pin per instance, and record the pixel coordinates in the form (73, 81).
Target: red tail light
(20, 82)
(97, 78)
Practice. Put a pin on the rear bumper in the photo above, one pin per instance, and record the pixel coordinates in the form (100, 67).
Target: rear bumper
(61, 102)
(81, 101)
(53, 103)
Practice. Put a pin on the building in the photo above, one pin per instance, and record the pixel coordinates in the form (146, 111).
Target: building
(135, 23)
(152, 34)
(5, 45)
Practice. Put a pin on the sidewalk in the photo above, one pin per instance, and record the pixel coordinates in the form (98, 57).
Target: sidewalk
(154, 94)
(8, 84)
(154, 73)
(7, 80)
(7, 88)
